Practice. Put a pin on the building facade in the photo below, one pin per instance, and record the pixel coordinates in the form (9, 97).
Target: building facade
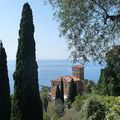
(77, 76)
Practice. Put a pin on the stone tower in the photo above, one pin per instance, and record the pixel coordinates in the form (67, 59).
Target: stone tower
(78, 71)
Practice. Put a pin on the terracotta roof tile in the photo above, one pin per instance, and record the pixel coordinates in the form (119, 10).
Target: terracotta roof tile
(66, 79)
(77, 66)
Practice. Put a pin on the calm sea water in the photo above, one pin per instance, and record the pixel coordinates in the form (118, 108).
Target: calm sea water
(52, 69)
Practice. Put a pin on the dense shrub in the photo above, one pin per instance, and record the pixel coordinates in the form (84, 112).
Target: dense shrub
(45, 97)
(46, 116)
(112, 116)
(95, 110)
(55, 110)
(90, 87)
(71, 114)
(79, 101)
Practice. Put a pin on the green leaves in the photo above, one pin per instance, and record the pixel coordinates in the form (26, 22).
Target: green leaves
(95, 110)
(97, 107)
(88, 27)
(109, 82)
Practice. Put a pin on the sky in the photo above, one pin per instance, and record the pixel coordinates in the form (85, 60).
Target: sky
(48, 43)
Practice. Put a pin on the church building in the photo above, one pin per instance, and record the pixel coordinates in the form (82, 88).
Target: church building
(77, 76)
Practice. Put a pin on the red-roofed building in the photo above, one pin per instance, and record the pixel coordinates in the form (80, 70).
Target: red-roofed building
(78, 77)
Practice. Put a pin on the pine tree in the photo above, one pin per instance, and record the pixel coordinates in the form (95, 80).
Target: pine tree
(26, 101)
(5, 102)
(72, 91)
(62, 90)
(57, 95)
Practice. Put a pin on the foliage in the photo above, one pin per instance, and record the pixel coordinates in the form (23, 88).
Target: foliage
(90, 87)
(79, 101)
(88, 107)
(112, 105)
(88, 26)
(57, 94)
(45, 97)
(55, 109)
(62, 90)
(112, 116)
(71, 114)
(72, 91)
(102, 90)
(5, 102)
(46, 116)
(45, 89)
(95, 110)
(26, 101)
(109, 82)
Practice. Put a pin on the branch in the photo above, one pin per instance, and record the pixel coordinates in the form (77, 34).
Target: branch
(106, 16)
(114, 17)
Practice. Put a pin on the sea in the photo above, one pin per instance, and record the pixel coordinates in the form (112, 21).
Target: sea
(52, 69)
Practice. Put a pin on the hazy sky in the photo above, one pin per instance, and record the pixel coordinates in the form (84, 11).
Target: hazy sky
(48, 44)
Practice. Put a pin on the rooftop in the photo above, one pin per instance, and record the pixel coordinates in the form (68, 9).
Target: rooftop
(66, 79)
(77, 66)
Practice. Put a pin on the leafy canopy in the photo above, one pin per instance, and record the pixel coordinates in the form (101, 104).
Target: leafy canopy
(91, 27)
(109, 82)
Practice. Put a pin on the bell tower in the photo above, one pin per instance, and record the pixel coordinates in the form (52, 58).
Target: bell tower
(78, 71)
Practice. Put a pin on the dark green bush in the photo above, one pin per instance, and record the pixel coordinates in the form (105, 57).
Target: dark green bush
(95, 110)
(79, 101)
(46, 116)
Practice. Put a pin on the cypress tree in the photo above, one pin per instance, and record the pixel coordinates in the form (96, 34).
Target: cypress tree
(72, 91)
(62, 91)
(5, 102)
(26, 101)
(57, 95)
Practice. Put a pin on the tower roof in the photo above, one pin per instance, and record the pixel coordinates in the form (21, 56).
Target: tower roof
(77, 66)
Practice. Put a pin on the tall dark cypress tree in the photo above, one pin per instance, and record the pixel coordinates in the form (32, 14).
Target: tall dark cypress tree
(57, 95)
(5, 102)
(26, 102)
(62, 90)
(72, 91)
